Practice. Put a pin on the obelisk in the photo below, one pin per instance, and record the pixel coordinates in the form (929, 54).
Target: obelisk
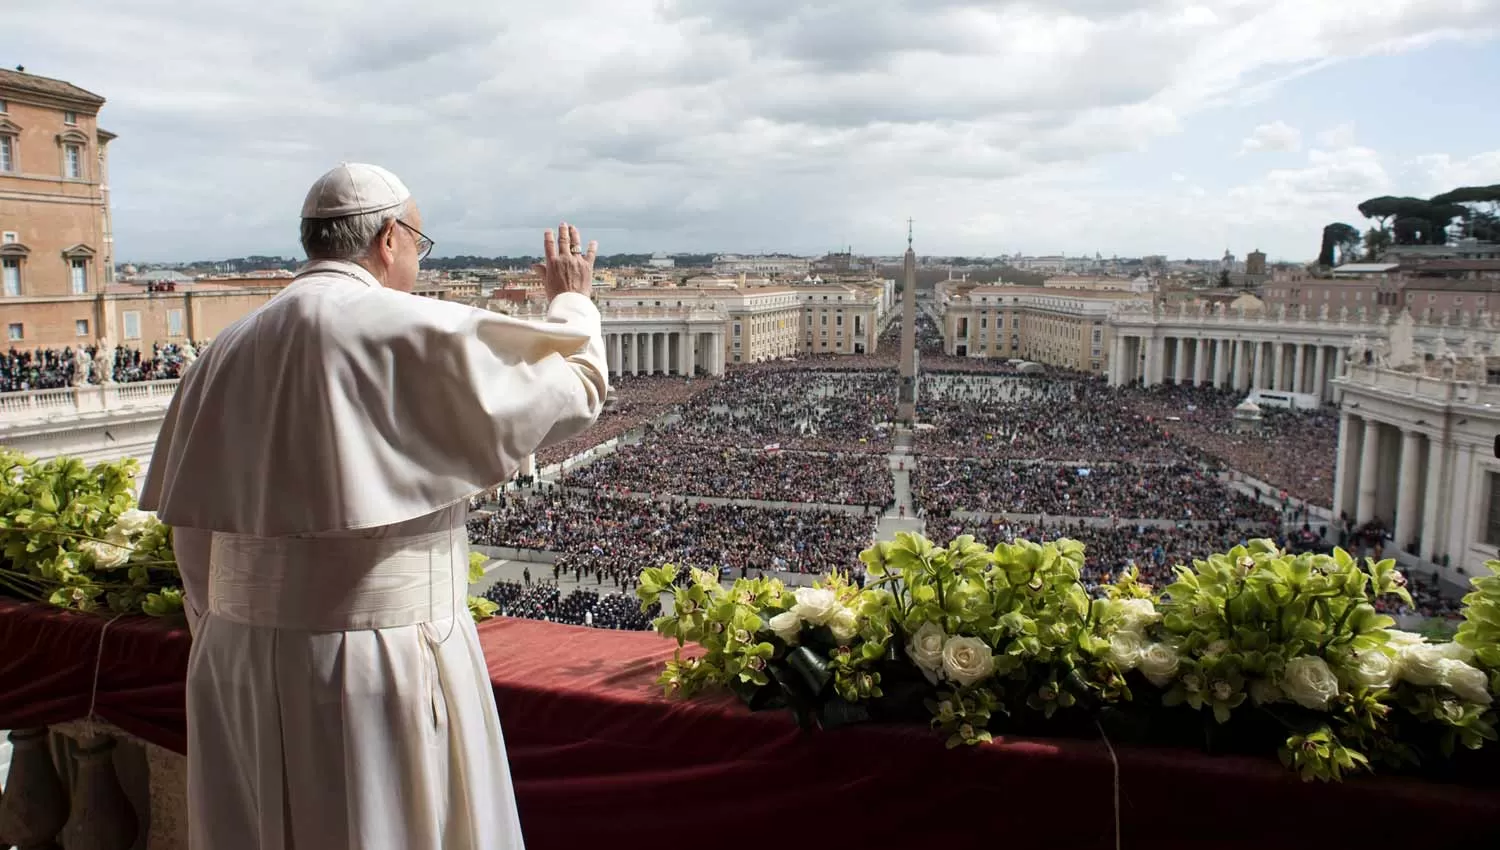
(906, 408)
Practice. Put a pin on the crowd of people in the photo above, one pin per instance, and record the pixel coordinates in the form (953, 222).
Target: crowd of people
(1043, 417)
(638, 400)
(581, 607)
(1176, 491)
(1151, 548)
(614, 537)
(1292, 450)
(762, 405)
(58, 368)
(666, 467)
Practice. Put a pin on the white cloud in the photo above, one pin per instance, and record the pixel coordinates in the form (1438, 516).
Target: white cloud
(1340, 136)
(1277, 136)
(688, 124)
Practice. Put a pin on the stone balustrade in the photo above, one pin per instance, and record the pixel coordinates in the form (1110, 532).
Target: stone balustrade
(92, 787)
(37, 406)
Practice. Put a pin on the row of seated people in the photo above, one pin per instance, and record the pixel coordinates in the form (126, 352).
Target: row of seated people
(581, 607)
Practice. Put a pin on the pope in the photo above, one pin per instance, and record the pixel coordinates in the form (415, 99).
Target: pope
(316, 465)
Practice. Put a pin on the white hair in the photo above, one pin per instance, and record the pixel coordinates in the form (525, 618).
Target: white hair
(347, 238)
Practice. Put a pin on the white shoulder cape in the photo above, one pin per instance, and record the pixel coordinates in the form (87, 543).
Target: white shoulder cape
(341, 404)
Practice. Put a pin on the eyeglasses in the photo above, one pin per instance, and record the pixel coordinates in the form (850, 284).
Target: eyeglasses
(424, 244)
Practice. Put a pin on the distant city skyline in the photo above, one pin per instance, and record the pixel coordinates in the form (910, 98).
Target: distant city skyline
(1133, 128)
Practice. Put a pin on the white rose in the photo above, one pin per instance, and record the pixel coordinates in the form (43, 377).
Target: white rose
(1455, 651)
(106, 555)
(134, 521)
(1309, 682)
(1136, 614)
(967, 660)
(926, 649)
(1265, 692)
(1125, 648)
(815, 605)
(787, 626)
(1419, 664)
(843, 624)
(1159, 663)
(1467, 681)
(1373, 669)
(1218, 647)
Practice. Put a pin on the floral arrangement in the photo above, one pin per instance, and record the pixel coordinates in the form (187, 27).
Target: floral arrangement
(1253, 650)
(72, 536)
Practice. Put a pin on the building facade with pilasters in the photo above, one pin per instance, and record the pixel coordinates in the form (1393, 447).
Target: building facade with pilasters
(1416, 452)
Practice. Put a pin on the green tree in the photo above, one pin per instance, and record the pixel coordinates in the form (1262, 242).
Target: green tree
(1376, 243)
(1224, 280)
(1481, 205)
(1341, 238)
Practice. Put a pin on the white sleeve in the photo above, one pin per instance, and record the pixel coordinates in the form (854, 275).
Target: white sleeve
(490, 390)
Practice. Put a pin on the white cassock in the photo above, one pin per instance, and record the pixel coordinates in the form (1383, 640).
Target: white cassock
(316, 465)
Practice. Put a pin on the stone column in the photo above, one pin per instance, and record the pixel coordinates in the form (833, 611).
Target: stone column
(1278, 360)
(1299, 369)
(1343, 464)
(636, 348)
(650, 353)
(1117, 361)
(1433, 512)
(1156, 361)
(1406, 488)
(1179, 361)
(690, 349)
(1320, 373)
(1255, 368)
(1369, 468)
(1460, 505)
(1200, 361)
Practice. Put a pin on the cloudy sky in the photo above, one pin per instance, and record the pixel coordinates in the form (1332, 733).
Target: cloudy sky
(1119, 126)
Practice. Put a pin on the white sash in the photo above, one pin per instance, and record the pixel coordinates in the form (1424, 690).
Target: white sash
(337, 584)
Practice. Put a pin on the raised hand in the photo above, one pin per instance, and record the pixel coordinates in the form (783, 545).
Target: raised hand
(566, 267)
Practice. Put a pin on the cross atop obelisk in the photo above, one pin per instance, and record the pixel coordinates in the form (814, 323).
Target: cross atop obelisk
(906, 407)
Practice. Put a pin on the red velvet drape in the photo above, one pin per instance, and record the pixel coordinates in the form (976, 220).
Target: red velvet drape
(600, 759)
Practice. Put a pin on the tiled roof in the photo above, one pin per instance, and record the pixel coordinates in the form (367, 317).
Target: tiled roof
(46, 86)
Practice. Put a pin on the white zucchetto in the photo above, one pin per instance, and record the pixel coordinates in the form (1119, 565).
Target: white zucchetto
(354, 188)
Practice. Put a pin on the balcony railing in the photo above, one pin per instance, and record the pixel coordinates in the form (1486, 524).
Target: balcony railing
(38, 406)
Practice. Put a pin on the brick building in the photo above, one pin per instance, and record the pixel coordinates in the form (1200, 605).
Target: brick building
(54, 197)
(57, 279)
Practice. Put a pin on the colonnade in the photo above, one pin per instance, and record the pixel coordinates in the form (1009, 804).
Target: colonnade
(664, 352)
(1418, 484)
(1227, 363)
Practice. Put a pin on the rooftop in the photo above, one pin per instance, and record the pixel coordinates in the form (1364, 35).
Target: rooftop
(22, 81)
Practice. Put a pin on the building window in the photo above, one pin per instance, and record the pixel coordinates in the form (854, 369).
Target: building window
(79, 269)
(7, 154)
(10, 274)
(174, 323)
(17, 332)
(72, 162)
(3, 108)
(80, 327)
(132, 321)
(70, 118)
